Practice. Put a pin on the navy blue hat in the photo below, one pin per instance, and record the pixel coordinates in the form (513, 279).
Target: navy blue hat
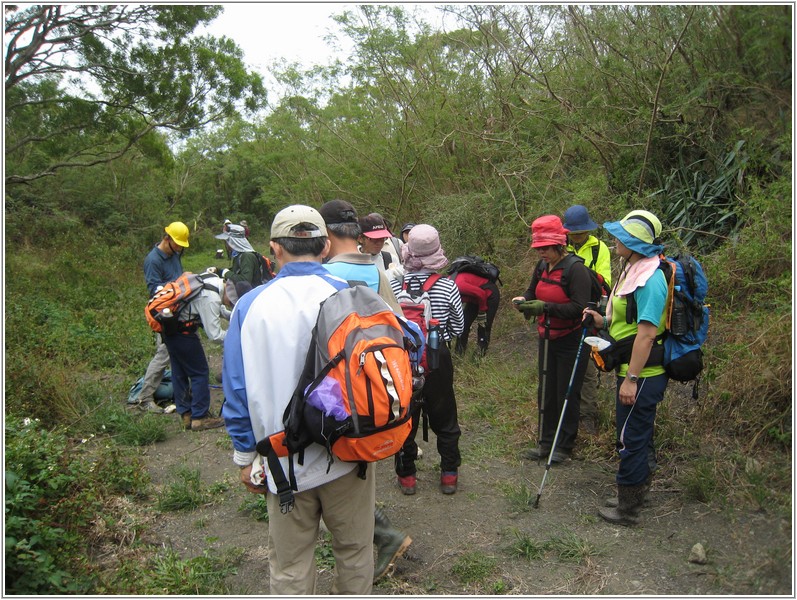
(577, 219)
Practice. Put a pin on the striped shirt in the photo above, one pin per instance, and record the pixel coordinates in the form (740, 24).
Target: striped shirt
(445, 299)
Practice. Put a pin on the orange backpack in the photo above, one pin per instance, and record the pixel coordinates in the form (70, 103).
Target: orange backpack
(354, 395)
(163, 309)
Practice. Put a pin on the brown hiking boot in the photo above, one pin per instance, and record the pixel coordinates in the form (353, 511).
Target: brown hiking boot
(186, 420)
(206, 422)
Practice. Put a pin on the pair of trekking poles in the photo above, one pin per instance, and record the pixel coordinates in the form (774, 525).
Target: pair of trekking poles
(587, 323)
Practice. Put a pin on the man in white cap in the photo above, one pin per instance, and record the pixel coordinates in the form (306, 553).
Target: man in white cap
(263, 360)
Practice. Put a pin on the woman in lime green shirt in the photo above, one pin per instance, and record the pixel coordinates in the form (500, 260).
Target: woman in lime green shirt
(637, 307)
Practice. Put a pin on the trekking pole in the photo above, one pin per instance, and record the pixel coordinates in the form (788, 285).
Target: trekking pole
(562, 416)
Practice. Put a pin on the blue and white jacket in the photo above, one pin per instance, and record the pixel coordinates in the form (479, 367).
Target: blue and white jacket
(264, 354)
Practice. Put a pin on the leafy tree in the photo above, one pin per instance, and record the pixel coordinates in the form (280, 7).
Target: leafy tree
(86, 83)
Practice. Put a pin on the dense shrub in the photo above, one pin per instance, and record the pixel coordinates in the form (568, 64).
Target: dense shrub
(53, 492)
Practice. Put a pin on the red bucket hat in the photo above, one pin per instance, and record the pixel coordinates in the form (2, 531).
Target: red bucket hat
(548, 231)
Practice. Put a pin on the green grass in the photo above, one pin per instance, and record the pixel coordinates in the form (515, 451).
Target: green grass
(130, 427)
(167, 573)
(521, 497)
(567, 547)
(474, 567)
(255, 505)
(524, 546)
(570, 547)
(185, 492)
(324, 558)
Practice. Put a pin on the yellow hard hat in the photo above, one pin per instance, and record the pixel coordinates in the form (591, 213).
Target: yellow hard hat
(178, 232)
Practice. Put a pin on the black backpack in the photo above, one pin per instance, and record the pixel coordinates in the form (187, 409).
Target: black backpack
(476, 265)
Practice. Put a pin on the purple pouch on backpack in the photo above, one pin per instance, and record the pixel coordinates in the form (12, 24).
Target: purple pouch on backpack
(328, 398)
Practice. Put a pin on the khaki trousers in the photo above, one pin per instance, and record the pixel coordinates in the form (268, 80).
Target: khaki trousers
(347, 506)
(155, 370)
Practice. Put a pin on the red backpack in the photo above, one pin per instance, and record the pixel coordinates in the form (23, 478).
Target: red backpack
(416, 304)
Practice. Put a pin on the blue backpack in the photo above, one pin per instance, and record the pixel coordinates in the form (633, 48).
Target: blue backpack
(687, 320)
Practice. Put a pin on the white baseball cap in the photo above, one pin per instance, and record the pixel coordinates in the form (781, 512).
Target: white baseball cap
(288, 219)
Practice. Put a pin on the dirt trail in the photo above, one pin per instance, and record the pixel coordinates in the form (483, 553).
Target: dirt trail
(462, 542)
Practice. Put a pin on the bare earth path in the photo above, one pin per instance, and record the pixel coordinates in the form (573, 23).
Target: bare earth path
(468, 543)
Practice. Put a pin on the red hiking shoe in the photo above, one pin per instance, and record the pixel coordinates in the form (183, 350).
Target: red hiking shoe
(407, 485)
(448, 482)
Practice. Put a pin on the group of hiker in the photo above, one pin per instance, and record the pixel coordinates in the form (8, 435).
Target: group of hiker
(560, 296)
(272, 309)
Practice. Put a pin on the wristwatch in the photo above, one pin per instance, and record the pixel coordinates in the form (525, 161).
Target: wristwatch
(632, 378)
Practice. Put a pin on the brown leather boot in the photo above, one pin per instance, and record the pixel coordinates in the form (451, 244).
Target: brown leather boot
(206, 422)
(630, 499)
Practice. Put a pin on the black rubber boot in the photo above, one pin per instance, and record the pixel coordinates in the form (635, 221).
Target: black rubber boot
(390, 543)
(630, 499)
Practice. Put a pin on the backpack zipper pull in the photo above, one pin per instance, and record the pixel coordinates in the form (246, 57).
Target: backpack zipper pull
(362, 363)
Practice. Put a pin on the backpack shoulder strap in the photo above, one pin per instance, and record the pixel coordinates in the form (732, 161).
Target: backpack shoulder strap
(430, 281)
(631, 311)
(595, 249)
(567, 264)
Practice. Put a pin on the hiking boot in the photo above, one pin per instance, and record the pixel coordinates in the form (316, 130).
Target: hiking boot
(390, 543)
(186, 420)
(588, 426)
(150, 407)
(448, 482)
(560, 456)
(206, 422)
(630, 499)
(614, 501)
(537, 453)
(407, 485)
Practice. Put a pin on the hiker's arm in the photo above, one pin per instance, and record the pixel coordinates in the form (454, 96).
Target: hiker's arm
(246, 479)
(386, 292)
(456, 316)
(236, 403)
(645, 338)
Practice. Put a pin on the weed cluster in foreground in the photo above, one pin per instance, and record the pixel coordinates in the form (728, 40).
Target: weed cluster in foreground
(55, 487)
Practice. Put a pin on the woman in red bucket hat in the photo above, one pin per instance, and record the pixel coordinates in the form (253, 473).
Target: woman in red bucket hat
(557, 295)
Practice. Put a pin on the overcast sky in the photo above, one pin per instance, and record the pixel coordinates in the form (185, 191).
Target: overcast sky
(267, 31)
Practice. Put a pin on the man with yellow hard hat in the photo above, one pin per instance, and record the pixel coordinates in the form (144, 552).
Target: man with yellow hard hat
(161, 266)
